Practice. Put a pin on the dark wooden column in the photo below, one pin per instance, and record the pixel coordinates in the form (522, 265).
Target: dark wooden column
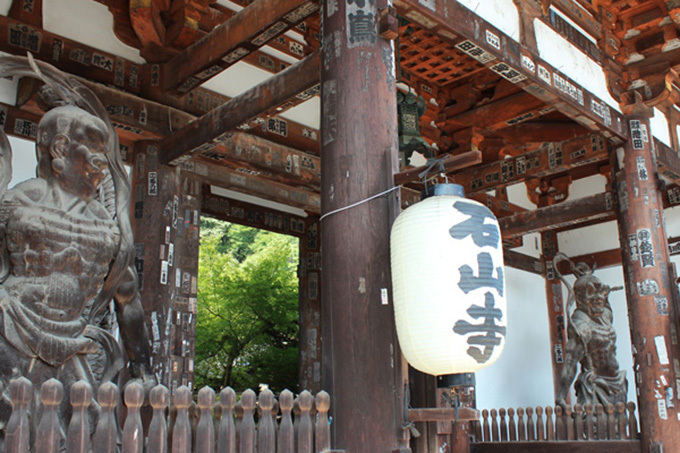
(556, 315)
(165, 222)
(361, 365)
(310, 306)
(644, 250)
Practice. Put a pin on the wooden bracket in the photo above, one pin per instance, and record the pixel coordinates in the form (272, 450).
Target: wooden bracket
(388, 24)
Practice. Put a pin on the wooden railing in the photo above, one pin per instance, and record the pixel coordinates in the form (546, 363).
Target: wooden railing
(558, 424)
(182, 426)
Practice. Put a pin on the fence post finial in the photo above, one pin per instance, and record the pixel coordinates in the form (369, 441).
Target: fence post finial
(17, 433)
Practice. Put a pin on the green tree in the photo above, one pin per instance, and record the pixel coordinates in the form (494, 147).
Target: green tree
(247, 323)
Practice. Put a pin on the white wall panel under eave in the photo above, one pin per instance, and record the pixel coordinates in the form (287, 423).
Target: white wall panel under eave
(566, 58)
(522, 376)
(659, 124)
(24, 161)
(502, 14)
(5, 5)
(87, 22)
(8, 89)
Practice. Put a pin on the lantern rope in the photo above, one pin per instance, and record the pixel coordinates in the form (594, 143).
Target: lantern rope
(372, 197)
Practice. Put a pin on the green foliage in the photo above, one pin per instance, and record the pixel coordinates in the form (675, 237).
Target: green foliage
(247, 323)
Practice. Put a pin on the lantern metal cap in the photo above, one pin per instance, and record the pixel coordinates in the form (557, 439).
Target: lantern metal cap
(456, 380)
(442, 189)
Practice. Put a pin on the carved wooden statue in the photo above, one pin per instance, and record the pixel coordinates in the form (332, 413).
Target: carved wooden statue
(66, 246)
(591, 341)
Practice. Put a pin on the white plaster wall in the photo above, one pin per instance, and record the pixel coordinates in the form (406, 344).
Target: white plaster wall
(87, 22)
(586, 187)
(8, 90)
(5, 5)
(236, 79)
(501, 13)
(659, 125)
(558, 52)
(522, 376)
(23, 160)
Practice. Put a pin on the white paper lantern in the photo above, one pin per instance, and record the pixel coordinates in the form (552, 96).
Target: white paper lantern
(448, 284)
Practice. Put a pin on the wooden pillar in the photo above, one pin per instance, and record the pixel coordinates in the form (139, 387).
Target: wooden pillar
(310, 306)
(452, 390)
(644, 250)
(361, 366)
(556, 314)
(165, 223)
(423, 393)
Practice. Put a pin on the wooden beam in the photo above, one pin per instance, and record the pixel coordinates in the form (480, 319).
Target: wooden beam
(268, 95)
(19, 123)
(134, 118)
(500, 114)
(548, 160)
(581, 16)
(29, 11)
(600, 260)
(131, 111)
(282, 43)
(500, 53)
(443, 414)
(244, 32)
(569, 213)
(230, 210)
(259, 157)
(250, 185)
(598, 446)
(523, 262)
(541, 131)
(499, 206)
(667, 161)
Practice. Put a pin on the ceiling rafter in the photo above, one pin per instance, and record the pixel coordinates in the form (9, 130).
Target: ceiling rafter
(205, 132)
(244, 32)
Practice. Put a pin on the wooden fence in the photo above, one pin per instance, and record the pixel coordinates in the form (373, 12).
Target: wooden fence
(575, 423)
(183, 426)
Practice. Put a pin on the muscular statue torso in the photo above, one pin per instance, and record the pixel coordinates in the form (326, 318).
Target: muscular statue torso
(600, 344)
(59, 256)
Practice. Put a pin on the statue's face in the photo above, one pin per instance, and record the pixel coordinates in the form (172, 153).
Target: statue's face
(85, 158)
(596, 295)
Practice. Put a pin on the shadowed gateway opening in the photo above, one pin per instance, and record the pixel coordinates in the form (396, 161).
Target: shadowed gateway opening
(247, 320)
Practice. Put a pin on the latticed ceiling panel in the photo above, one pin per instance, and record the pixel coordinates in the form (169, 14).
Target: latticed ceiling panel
(432, 59)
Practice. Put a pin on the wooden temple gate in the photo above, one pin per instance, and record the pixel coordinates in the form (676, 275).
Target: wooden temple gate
(498, 112)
